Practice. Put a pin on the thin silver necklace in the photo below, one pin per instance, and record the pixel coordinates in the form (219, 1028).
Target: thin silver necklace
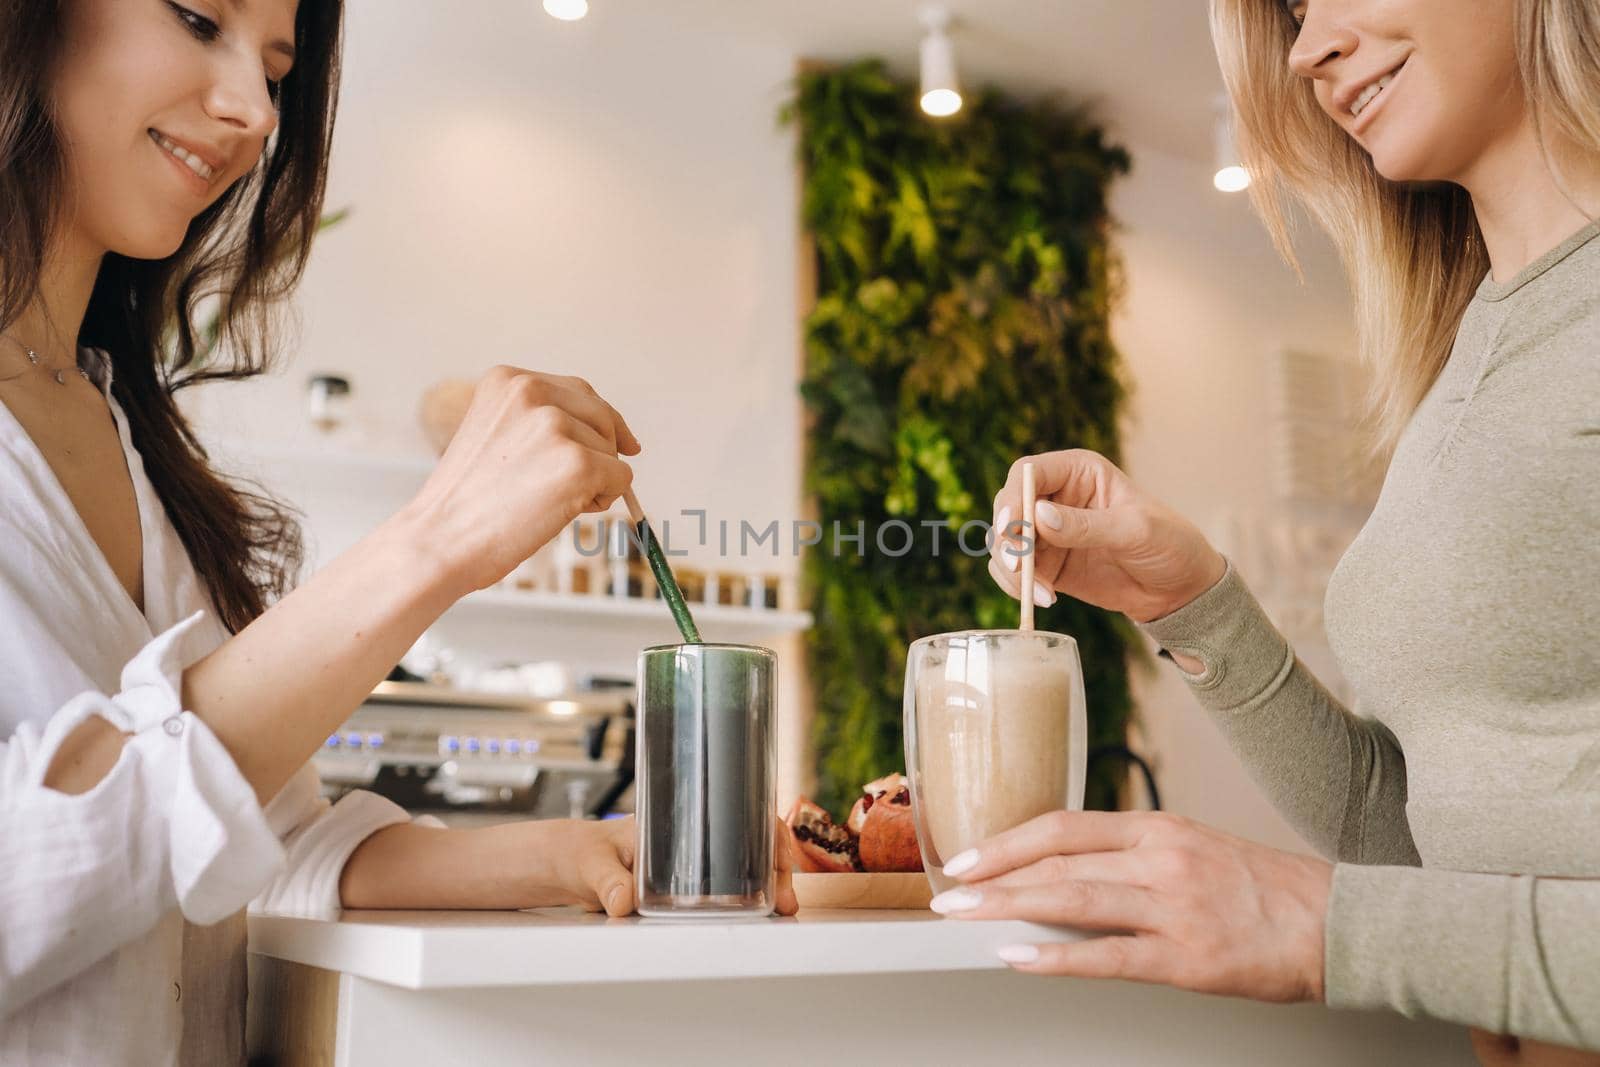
(60, 374)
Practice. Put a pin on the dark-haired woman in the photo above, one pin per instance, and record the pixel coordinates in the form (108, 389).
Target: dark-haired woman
(160, 687)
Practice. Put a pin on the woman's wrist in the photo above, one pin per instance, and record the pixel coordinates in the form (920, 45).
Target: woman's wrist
(1200, 580)
(430, 555)
(1212, 571)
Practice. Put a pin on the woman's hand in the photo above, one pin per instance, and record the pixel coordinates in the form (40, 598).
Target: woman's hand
(591, 864)
(583, 862)
(533, 452)
(1185, 905)
(1100, 539)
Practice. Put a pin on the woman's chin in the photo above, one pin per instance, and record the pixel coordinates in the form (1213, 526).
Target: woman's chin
(1400, 167)
(150, 244)
(1409, 159)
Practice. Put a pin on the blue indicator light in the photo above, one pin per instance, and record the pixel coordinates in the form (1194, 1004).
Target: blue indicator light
(450, 744)
(473, 744)
(353, 740)
(493, 746)
(513, 746)
(333, 741)
(374, 740)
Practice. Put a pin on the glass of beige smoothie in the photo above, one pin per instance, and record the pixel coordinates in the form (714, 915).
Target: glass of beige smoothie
(995, 730)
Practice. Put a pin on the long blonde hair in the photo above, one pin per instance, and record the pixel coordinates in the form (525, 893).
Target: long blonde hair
(1413, 253)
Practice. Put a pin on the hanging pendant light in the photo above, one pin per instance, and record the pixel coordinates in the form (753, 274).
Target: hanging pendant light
(941, 90)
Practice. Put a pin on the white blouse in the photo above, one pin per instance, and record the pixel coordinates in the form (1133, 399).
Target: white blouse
(121, 923)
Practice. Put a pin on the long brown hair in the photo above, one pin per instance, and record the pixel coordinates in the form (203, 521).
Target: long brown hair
(246, 252)
(1413, 253)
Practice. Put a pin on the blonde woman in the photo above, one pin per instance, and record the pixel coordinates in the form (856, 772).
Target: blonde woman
(1451, 148)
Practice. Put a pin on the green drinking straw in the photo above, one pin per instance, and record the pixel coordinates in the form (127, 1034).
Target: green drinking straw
(663, 573)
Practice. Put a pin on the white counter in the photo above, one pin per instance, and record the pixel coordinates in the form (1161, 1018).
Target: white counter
(487, 988)
(446, 950)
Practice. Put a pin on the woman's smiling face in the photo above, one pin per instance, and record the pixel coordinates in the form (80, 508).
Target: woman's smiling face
(1427, 87)
(161, 107)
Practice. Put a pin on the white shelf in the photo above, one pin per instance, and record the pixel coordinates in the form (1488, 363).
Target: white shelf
(535, 604)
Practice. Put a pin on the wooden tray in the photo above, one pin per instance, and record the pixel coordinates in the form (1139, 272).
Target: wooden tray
(877, 891)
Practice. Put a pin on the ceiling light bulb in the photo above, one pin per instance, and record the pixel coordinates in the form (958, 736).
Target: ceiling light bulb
(567, 10)
(941, 90)
(1231, 175)
(941, 103)
(1233, 179)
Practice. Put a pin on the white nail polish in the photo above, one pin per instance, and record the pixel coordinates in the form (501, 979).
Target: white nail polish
(1042, 595)
(961, 864)
(1002, 520)
(1019, 954)
(1011, 559)
(1046, 515)
(956, 900)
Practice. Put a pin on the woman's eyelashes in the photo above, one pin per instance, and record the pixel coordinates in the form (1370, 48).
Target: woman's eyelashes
(197, 24)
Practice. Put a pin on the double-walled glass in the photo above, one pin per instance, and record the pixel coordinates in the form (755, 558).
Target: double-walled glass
(706, 780)
(995, 729)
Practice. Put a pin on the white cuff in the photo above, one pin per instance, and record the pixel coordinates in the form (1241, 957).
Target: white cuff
(318, 852)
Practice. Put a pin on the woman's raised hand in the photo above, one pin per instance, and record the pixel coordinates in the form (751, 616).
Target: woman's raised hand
(1100, 539)
(533, 452)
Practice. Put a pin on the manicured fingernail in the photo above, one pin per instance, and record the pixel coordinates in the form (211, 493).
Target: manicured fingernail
(1045, 513)
(1002, 520)
(1011, 560)
(1042, 595)
(1019, 954)
(956, 900)
(961, 864)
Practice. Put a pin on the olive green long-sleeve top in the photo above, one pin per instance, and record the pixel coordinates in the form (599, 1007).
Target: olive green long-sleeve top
(1461, 798)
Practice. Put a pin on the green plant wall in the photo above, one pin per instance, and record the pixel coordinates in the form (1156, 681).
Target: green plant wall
(965, 282)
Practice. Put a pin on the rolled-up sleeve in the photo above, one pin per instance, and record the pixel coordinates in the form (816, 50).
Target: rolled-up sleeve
(319, 838)
(172, 824)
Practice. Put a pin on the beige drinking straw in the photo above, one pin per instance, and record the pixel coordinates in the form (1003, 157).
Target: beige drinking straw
(1028, 493)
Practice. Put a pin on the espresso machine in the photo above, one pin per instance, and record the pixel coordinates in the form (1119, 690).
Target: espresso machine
(477, 758)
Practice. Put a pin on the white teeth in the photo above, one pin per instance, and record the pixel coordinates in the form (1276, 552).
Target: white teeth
(1368, 93)
(187, 158)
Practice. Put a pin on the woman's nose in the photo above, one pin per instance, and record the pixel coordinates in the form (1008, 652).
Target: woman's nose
(240, 98)
(1324, 37)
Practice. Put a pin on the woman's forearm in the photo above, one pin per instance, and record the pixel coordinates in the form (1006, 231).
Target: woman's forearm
(533, 452)
(274, 692)
(411, 866)
(1339, 779)
(513, 865)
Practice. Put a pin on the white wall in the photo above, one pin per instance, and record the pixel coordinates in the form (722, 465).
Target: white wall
(613, 198)
(576, 198)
